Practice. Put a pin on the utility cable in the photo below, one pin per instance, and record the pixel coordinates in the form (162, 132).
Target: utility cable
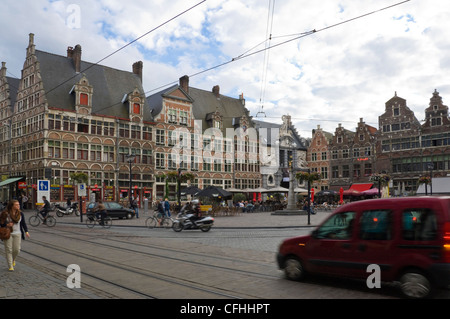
(297, 37)
(128, 44)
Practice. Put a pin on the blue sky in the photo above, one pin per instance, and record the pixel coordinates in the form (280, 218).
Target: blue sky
(334, 76)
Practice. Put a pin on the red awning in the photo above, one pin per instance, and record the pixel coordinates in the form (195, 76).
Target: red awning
(360, 187)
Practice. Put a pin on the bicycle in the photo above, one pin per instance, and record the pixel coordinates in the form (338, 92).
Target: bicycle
(37, 218)
(92, 220)
(159, 220)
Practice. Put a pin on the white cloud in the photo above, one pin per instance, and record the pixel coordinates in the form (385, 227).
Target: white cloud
(337, 75)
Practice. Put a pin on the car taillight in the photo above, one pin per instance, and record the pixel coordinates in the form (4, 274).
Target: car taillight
(447, 242)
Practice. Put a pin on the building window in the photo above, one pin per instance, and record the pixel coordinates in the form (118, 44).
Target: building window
(160, 137)
(68, 150)
(108, 153)
(147, 133)
(324, 172)
(183, 117)
(124, 130)
(345, 171)
(82, 151)
(436, 121)
(160, 163)
(84, 99)
(356, 170)
(136, 108)
(172, 116)
(345, 153)
(396, 111)
(135, 132)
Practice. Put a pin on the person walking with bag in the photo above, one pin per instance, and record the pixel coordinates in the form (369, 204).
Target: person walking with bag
(13, 219)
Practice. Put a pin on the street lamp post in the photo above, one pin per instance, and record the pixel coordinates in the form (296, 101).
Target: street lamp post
(180, 170)
(430, 167)
(130, 159)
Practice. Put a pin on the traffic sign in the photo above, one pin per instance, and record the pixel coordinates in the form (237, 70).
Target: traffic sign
(82, 190)
(44, 185)
(43, 189)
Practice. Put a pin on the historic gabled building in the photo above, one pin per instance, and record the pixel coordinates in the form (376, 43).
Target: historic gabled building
(363, 152)
(209, 143)
(283, 149)
(72, 116)
(340, 158)
(407, 150)
(319, 156)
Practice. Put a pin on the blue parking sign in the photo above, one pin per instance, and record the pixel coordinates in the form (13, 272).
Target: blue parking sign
(44, 185)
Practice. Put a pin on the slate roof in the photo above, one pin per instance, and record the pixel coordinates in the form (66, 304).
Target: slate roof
(110, 85)
(13, 88)
(203, 103)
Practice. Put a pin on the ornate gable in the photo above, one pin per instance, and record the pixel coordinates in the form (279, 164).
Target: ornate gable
(436, 115)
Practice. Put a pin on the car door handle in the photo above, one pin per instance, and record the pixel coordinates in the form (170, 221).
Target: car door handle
(362, 247)
(345, 245)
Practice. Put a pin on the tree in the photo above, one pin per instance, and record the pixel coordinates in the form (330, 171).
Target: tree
(307, 177)
(80, 178)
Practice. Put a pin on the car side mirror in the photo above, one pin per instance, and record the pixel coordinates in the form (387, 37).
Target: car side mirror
(314, 233)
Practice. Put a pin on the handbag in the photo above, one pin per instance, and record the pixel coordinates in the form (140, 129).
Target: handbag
(5, 233)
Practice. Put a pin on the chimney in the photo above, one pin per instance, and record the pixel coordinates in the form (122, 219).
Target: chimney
(70, 52)
(3, 70)
(241, 98)
(76, 56)
(137, 69)
(31, 39)
(31, 46)
(216, 91)
(184, 83)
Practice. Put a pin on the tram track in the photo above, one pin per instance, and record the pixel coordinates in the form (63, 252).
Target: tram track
(146, 251)
(166, 250)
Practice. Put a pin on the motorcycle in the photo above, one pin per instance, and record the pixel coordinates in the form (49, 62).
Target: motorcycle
(185, 220)
(61, 211)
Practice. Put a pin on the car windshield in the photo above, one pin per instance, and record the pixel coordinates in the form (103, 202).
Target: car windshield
(338, 226)
(114, 206)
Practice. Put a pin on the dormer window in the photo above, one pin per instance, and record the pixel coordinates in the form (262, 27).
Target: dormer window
(84, 99)
(136, 108)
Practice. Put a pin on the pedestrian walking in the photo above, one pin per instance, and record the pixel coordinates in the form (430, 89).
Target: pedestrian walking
(13, 218)
(167, 207)
(135, 206)
(24, 201)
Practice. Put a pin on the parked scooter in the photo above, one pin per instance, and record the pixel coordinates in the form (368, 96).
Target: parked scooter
(186, 220)
(62, 211)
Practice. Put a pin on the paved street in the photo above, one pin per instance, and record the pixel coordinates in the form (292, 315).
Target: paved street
(236, 259)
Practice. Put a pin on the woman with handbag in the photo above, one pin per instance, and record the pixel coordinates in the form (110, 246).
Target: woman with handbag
(14, 220)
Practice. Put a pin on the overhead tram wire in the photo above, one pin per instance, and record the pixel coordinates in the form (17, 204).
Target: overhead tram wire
(297, 37)
(128, 44)
(266, 56)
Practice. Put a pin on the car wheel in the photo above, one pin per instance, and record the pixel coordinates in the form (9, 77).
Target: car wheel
(414, 284)
(129, 215)
(293, 269)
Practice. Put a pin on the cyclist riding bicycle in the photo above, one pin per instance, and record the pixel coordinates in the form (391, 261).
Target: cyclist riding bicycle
(100, 212)
(45, 209)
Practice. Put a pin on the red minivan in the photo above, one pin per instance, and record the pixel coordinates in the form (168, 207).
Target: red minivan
(407, 238)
